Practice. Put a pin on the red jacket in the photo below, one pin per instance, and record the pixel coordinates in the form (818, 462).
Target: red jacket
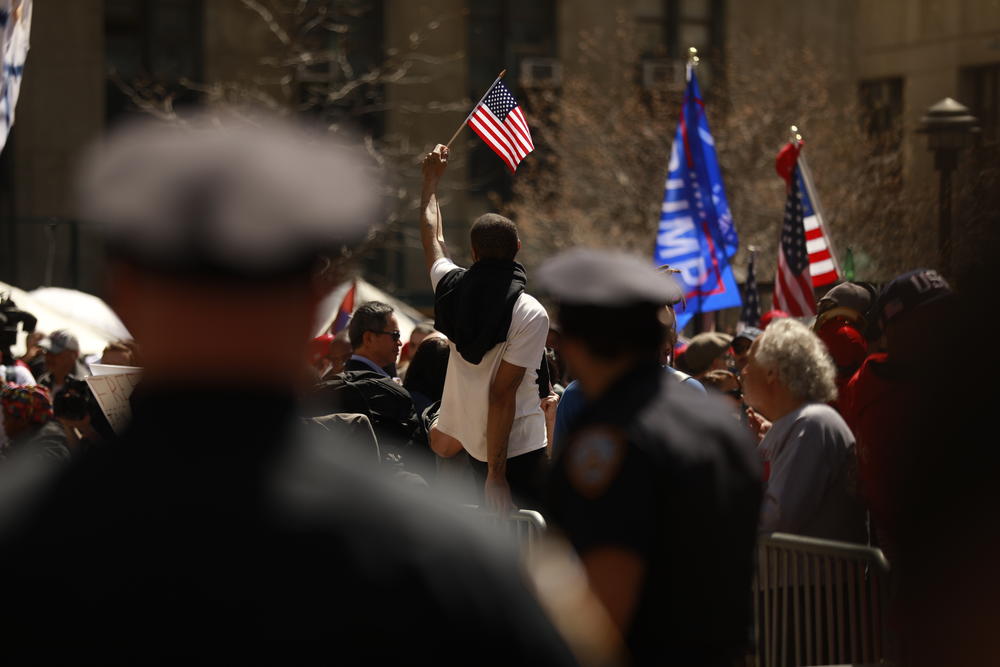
(878, 405)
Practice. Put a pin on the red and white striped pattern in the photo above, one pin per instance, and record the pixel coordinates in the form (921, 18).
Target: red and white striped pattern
(821, 265)
(793, 292)
(499, 121)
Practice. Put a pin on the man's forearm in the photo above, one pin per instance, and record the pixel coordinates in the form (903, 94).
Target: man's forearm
(430, 225)
(499, 419)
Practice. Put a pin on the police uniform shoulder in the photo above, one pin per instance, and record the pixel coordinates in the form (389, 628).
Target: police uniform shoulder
(694, 427)
(236, 199)
(584, 276)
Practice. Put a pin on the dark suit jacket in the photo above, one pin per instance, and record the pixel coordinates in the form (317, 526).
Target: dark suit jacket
(355, 365)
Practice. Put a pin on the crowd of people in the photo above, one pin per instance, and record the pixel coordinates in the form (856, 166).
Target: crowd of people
(276, 498)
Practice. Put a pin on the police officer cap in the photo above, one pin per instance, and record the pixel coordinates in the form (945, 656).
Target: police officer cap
(238, 200)
(587, 277)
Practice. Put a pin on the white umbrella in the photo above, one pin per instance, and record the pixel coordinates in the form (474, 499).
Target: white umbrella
(407, 315)
(92, 340)
(86, 309)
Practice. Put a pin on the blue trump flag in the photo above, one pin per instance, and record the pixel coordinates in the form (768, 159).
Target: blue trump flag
(696, 233)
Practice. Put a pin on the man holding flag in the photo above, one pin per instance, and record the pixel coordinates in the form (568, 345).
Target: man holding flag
(491, 404)
(696, 233)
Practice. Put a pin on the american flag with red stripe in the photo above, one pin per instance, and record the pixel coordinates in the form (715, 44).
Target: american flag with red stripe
(499, 121)
(805, 258)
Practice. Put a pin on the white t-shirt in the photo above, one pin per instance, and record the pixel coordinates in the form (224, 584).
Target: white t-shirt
(465, 401)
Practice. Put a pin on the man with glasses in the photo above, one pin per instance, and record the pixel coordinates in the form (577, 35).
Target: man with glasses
(375, 339)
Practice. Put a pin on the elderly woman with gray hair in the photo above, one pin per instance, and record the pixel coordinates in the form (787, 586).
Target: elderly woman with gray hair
(808, 452)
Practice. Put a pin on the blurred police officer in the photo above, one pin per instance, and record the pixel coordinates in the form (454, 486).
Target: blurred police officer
(658, 490)
(216, 531)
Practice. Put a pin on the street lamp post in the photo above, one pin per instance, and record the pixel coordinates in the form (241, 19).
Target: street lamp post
(949, 127)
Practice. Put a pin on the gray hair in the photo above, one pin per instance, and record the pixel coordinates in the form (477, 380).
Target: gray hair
(800, 359)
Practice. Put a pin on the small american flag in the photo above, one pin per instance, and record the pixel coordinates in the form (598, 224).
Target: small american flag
(793, 284)
(499, 121)
(750, 313)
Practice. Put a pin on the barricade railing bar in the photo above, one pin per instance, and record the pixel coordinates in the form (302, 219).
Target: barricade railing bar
(527, 527)
(818, 602)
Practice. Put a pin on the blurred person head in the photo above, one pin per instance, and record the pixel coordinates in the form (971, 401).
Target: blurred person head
(428, 368)
(119, 353)
(910, 308)
(630, 293)
(33, 338)
(340, 352)
(62, 349)
(210, 224)
(494, 237)
(420, 332)
(741, 347)
(726, 384)
(708, 351)
(374, 333)
(24, 408)
(788, 367)
(417, 336)
(852, 302)
(319, 353)
(552, 338)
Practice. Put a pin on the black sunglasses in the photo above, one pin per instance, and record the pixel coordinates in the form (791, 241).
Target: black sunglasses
(395, 334)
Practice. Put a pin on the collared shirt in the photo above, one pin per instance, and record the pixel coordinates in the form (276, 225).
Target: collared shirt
(368, 362)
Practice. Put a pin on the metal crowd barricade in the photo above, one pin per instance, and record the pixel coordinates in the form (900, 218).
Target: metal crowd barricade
(819, 602)
(527, 527)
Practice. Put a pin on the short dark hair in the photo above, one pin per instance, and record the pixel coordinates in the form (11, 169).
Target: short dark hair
(494, 237)
(427, 370)
(370, 316)
(637, 331)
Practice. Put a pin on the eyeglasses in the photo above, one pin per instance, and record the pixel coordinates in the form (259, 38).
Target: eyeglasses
(395, 334)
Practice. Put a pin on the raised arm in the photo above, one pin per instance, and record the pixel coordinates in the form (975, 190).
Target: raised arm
(431, 229)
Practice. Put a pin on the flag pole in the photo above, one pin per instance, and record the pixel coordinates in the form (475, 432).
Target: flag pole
(692, 62)
(474, 109)
(814, 197)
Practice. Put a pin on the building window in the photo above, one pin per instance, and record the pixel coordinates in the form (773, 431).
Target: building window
(882, 113)
(506, 34)
(980, 91)
(345, 41)
(151, 46)
(666, 28)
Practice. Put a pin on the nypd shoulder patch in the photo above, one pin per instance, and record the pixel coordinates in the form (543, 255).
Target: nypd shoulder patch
(594, 459)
